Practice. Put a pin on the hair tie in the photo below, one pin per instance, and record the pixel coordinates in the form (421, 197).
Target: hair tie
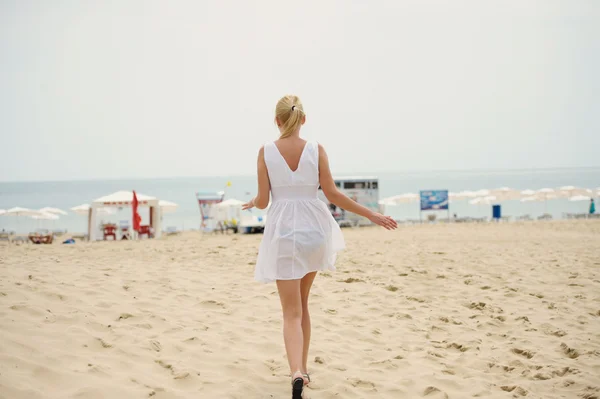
(293, 106)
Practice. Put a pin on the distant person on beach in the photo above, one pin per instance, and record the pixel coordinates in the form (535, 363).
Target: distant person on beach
(301, 236)
(592, 207)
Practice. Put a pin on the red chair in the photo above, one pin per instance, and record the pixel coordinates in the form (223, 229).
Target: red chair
(145, 230)
(110, 231)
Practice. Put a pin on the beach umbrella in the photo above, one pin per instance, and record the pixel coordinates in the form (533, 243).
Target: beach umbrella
(46, 216)
(2, 211)
(572, 191)
(463, 195)
(545, 191)
(167, 206)
(479, 201)
(527, 193)
(530, 199)
(546, 194)
(580, 198)
(54, 211)
(482, 193)
(505, 194)
(487, 200)
(400, 199)
(18, 212)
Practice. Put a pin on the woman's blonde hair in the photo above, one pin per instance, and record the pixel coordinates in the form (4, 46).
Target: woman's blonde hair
(290, 114)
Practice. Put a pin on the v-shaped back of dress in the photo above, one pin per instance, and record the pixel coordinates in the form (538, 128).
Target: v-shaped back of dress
(287, 184)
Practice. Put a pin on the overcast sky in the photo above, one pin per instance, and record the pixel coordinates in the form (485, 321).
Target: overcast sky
(128, 88)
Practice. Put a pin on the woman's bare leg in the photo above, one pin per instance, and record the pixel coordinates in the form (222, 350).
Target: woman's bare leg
(291, 304)
(305, 285)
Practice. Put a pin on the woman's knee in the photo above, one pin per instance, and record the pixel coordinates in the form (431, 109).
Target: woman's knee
(292, 313)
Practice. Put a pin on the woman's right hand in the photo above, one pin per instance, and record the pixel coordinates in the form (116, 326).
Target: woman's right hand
(384, 221)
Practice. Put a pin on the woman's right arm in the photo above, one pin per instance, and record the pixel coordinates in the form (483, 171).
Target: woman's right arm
(338, 198)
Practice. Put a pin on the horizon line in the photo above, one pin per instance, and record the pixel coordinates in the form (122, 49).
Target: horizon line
(408, 171)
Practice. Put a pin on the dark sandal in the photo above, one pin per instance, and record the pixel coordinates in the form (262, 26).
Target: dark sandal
(297, 387)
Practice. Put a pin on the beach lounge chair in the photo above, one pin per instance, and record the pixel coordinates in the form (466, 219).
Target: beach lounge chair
(146, 230)
(20, 239)
(545, 216)
(109, 230)
(125, 233)
(4, 237)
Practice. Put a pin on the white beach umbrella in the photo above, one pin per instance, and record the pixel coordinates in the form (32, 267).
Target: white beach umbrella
(18, 211)
(46, 216)
(580, 198)
(527, 193)
(2, 211)
(505, 194)
(167, 206)
(487, 200)
(530, 199)
(546, 194)
(571, 191)
(545, 191)
(400, 199)
(54, 211)
(482, 193)
(463, 195)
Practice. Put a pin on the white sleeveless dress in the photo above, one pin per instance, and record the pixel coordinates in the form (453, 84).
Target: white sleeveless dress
(300, 235)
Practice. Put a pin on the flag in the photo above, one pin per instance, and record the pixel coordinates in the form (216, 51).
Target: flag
(136, 216)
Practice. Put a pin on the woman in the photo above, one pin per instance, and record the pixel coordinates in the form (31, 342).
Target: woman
(301, 237)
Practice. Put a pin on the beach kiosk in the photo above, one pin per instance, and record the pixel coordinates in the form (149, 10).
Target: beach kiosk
(206, 203)
(121, 199)
(362, 189)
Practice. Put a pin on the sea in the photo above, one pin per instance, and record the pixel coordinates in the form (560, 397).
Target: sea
(67, 194)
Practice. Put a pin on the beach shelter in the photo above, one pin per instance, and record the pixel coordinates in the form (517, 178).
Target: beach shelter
(121, 199)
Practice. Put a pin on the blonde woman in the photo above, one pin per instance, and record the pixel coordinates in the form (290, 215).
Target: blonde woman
(301, 237)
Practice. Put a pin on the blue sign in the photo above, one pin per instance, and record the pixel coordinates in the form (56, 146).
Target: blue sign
(434, 200)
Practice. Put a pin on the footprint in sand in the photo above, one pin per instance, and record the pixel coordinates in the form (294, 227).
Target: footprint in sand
(358, 383)
(517, 390)
(570, 352)
(433, 392)
(212, 304)
(523, 352)
(155, 345)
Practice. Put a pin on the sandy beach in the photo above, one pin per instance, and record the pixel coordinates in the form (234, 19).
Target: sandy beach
(434, 311)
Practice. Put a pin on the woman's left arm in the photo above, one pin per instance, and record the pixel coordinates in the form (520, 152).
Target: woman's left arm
(261, 201)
